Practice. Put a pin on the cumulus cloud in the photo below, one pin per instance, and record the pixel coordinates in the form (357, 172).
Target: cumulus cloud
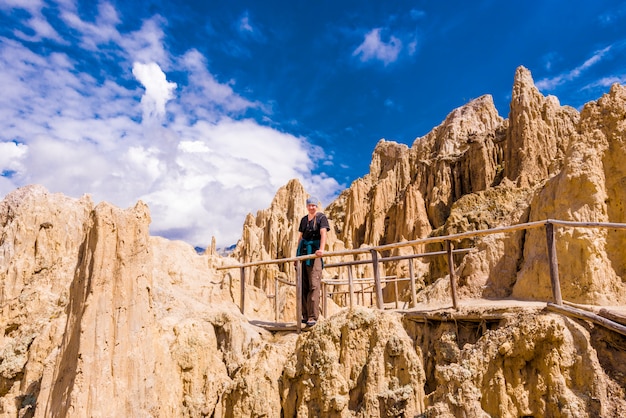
(200, 164)
(11, 156)
(158, 89)
(147, 43)
(374, 48)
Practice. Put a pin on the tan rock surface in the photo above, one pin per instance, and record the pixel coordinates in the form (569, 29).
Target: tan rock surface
(530, 366)
(359, 363)
(151, 324)
(40, 238)
(540, 131)
(107, 314)
(588, 188)
(114, 315)
(98, 318)
(477, 171)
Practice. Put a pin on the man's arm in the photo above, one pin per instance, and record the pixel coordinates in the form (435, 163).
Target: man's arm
(322, 242)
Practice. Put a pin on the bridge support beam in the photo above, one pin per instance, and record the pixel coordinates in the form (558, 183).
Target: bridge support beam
(379, 289)
(455, 302)
(554, 264)
(350, 287)
(413, 290)
(298, 296)
(242, 285)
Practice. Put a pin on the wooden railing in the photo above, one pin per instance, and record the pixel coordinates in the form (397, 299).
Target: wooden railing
(447, 241)
(351, 282)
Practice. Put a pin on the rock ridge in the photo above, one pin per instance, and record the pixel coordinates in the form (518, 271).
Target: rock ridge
(98, 318)
(536, 163)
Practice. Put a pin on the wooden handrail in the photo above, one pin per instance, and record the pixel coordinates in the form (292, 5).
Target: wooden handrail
(384, 279)
(242, 286)
(550, 225)
(589, 316)
(380, 248)
(575, 224)
(398, 257)
(430, 240)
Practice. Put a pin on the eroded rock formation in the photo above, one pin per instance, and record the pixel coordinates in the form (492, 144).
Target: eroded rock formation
(362, 362)
(98, 318)
(477, 171)
(529, 366)
(589, 187)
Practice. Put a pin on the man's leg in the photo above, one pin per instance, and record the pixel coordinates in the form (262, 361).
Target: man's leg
(315, 284)
(306, 273)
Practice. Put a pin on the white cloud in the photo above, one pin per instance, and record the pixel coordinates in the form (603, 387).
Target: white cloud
(32, 6)
(99, 32)
(244, 24)
(552, 82)
(607, 81)
(147, 43)
(158, 89)
(74, 128)
(11, 156)
(613, 16)
(204, 96)
(374, 48)
(412, 47)
(36, 22)
(247, 29)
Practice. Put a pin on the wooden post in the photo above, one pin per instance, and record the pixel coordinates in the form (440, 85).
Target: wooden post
(324, 302)
(299, 295)
(242, 286)
(350, 287)
(362, 292)
(455, 302)
(379, 289)
(413, 291)
(276, 300)
(613, 316)
(554, 264)
(395, 289)
(589, 316)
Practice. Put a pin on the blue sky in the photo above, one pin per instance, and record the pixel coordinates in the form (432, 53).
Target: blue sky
(203, 109)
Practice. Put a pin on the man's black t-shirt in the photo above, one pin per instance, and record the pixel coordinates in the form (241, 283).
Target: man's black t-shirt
(311, 229)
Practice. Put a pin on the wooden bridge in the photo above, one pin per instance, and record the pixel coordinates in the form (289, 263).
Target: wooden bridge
(614, 320)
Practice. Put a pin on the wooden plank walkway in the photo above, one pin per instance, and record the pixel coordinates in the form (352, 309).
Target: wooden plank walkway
(487, 310)
(613, 318)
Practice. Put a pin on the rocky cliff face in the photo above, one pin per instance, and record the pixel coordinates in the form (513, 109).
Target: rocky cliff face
(589, 187)
(98, 318)
(477, 171)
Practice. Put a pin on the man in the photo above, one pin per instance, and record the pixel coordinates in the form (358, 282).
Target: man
(312, 240)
